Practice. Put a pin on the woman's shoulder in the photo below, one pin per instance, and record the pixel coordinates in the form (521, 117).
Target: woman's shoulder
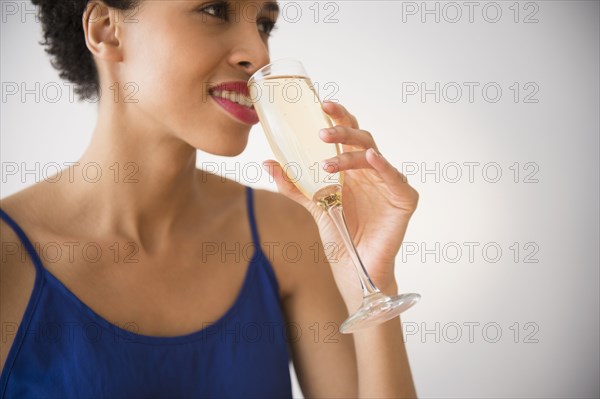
(26, 205)
(286, 229)
(281, 215)
(36, 207)
(17, 272)
(273, 210)
(23, 208)
(291, 239)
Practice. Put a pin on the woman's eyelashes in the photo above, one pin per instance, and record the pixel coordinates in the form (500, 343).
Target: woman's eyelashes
(269, 26)
(218, 10)
(222, 10)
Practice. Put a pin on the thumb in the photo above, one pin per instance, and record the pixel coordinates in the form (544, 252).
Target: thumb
(284, 183)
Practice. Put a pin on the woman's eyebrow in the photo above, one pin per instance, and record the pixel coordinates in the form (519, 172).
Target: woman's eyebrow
(271, 6)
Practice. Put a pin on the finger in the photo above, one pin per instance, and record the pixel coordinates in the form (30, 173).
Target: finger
(284, 183)
(348, 136)
(396, 181)
(340, 115)
(346, 161)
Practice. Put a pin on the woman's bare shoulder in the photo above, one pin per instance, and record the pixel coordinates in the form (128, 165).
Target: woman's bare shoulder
(274, 211)
(25, 206)
(289, 233)
(282, 216)
(17, 272)
(18, 207)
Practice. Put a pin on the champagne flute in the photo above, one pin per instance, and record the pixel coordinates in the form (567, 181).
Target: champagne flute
(290, 112)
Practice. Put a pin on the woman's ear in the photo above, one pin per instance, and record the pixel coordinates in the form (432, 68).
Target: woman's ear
(102, 31)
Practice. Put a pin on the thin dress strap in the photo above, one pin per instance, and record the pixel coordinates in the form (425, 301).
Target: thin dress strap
(265, 263)
(36, 294)
(24, 240)
(250, 207)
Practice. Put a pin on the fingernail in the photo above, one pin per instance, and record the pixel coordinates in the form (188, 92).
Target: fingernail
(329, 164)
(375, 152)
(324, 132)
(325, 103)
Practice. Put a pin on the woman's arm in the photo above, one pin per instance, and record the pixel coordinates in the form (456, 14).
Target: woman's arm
(384, 370)
(378, 205)
(370, 363)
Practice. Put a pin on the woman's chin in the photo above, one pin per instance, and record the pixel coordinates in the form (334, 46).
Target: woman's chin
(224, 150)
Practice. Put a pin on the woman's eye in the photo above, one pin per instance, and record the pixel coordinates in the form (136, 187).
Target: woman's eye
(222, 10)
(218, 10)
(267, 26)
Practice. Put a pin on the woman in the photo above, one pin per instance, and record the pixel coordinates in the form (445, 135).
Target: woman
(159, 309)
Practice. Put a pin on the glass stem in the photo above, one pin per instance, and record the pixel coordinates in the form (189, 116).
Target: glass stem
(337, 215)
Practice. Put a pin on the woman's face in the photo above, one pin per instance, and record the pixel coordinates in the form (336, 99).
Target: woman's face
(175, 52)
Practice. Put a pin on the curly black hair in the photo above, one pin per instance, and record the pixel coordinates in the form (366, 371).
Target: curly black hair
(65, 42)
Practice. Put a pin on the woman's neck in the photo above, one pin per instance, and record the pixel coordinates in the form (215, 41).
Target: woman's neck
(148, 178)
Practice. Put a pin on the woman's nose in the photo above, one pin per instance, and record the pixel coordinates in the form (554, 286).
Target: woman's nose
(251, 51)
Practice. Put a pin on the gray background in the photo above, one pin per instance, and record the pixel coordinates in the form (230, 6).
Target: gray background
(522, 322)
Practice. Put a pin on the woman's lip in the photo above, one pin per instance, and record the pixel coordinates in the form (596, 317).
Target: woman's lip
(241, 113)
(239, 86)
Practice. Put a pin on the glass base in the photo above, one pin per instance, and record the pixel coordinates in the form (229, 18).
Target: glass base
(376, 309)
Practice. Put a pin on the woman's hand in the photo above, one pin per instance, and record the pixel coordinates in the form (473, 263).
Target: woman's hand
(377, 201)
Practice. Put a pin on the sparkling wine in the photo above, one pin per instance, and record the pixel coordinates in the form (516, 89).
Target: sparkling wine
(291, 115)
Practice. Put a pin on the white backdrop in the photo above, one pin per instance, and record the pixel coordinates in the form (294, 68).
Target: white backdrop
(490, 108)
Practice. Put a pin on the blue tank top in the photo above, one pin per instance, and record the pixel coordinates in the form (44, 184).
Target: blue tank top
(63, 349)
